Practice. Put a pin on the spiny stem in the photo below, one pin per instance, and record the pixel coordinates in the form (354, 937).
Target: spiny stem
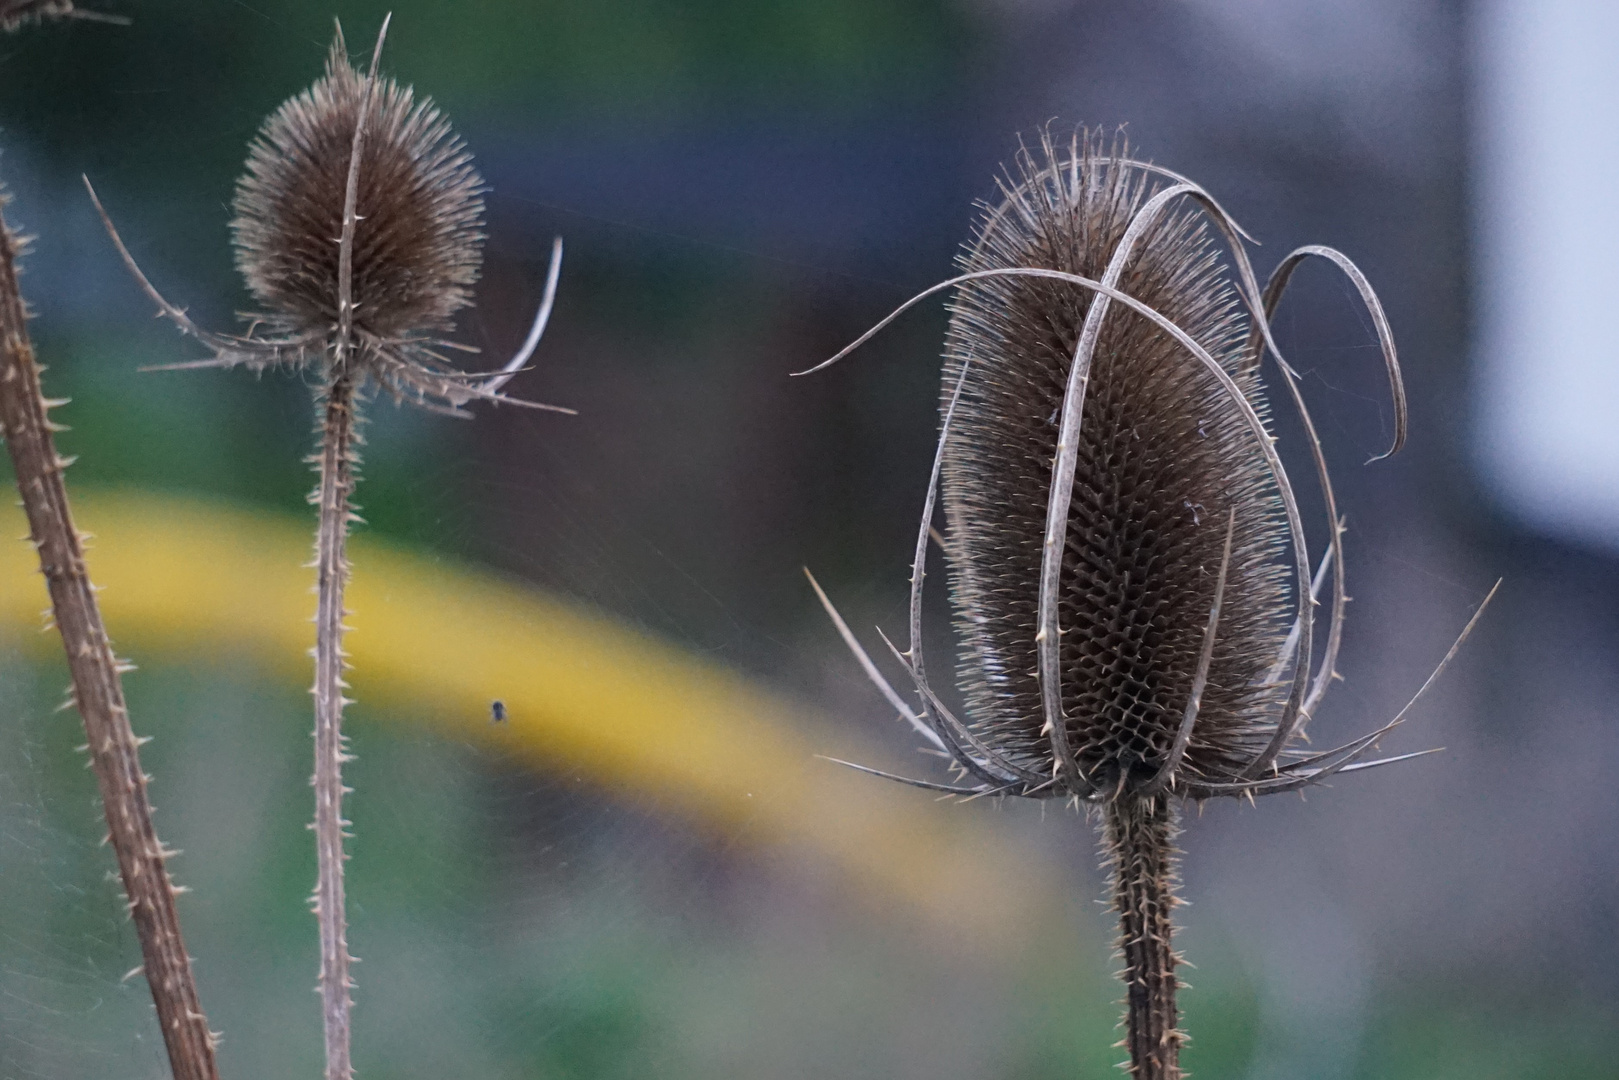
(336, 463)
(97, 689)
(1139, 842)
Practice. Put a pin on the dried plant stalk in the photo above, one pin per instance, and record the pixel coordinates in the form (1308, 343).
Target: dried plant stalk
(336, 463)
(1138, 847)
(332, 498)
(360, 160)
(97, 689)
(1127, 558)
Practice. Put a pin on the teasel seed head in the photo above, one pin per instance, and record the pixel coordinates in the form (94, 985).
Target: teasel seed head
(417, 240)
(358, 228)
(1165, 462)
(1126, 555)
(1126, 558)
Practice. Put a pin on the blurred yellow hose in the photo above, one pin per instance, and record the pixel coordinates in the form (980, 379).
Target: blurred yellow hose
(182, 579)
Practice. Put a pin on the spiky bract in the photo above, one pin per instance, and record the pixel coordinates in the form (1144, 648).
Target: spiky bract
(1164, 459)
(417, 244)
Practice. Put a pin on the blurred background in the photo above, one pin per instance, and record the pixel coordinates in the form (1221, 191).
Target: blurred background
(744, 186)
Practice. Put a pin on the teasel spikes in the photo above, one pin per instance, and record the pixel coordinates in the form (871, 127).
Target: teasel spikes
(1127, 561)
(357, 228)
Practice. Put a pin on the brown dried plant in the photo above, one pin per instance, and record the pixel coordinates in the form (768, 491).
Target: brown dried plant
(14, 13)
(97, 690)
(357, 229)
(1126, 556)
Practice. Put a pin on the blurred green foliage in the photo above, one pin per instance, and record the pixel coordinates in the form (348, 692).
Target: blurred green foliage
(140, 97)
(520, 926)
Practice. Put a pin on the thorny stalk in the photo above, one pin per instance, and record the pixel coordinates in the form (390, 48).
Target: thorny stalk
(336, 464)
(97, 689)
(1138, 843)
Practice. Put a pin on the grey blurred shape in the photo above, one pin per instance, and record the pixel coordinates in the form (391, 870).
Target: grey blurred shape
(1546, 226)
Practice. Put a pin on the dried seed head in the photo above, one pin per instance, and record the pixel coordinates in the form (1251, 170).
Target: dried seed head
(417, 244)
(1125, 547)
(1127, 562)
(362, 240)
(1165, 458)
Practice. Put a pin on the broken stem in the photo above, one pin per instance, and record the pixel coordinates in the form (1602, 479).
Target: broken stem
(97, 689)
(1139, 839)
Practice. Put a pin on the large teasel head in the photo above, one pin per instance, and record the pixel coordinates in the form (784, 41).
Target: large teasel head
(358, 229)
(1127, 562)
(1165, 469)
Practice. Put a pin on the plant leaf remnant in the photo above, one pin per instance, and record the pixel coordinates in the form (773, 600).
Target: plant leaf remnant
(1126, 555)
(14, 13)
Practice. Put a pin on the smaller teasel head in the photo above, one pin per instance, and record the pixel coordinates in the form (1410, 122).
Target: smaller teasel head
(1134, 600)
(358, 229)
(418, 209)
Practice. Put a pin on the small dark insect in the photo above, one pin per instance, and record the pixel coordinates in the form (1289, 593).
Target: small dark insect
(497, 712)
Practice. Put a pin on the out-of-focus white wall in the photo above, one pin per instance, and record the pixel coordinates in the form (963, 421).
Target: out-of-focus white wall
(1546, 226)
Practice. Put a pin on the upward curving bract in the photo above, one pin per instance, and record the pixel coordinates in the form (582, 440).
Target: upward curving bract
(1165, 460)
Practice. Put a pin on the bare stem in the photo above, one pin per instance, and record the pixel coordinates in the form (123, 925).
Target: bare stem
(1139, 842)
(97, 690)
(336, 464)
